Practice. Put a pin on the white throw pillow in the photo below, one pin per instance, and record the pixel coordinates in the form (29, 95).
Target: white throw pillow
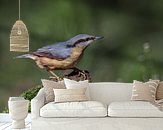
(72, 84)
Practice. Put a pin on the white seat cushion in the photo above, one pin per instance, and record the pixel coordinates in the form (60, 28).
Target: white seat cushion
(133, 109)
(74, 109)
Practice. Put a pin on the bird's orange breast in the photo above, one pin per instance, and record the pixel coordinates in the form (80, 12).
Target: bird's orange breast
(61, 64)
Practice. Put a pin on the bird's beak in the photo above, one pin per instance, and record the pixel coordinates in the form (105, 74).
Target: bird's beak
(99, 37)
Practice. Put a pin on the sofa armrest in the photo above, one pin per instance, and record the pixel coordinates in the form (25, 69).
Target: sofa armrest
(36, 104)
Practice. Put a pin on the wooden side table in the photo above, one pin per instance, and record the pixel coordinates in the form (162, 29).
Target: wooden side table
(18, 111)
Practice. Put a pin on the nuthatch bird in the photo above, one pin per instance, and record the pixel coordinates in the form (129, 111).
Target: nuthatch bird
(62, 55)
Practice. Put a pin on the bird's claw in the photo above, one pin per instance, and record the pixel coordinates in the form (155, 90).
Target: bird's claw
(83, 74)
(55, 78)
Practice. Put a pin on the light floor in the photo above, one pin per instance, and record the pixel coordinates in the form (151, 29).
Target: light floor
(7, 126)
(5, 122)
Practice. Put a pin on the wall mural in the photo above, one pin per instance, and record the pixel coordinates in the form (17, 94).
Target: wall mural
(63, 56)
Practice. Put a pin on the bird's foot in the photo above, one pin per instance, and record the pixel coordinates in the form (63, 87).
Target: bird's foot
(83, 74)
(55, 78)
(77, 74)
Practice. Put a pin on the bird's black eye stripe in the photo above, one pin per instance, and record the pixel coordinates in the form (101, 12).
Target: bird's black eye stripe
(90, 38)
(87, 39)
(84, 40)
(81, 40)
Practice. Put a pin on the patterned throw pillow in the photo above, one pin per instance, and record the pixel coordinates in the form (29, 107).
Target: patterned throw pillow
(48, 88)
(72, 84)
(144, 91)
(70, 95)
(159, 93)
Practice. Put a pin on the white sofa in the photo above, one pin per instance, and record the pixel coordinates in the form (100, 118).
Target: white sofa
(116, 113)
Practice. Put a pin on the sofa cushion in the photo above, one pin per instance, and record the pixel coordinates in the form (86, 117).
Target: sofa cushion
(72, 84)
(144, 91)
(70, 95)
(49, 85)
(74, 109)
(133, 109)
(159, 94)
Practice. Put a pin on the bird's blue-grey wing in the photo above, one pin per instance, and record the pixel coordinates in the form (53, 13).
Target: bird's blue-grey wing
(55, 51)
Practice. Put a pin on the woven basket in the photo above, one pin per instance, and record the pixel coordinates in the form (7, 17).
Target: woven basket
(19, 37)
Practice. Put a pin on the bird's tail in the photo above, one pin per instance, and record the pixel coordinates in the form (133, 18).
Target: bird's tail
(30, 56)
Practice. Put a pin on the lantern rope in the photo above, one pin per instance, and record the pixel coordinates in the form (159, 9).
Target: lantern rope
(19, 9)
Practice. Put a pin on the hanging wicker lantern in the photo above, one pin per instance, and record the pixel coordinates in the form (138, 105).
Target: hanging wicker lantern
(19, 37)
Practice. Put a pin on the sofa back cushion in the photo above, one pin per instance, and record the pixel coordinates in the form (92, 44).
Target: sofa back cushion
(107, 92)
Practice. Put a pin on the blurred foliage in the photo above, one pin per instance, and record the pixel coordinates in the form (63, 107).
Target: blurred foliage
(5, 110)
(30, 94)
(128, 26)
